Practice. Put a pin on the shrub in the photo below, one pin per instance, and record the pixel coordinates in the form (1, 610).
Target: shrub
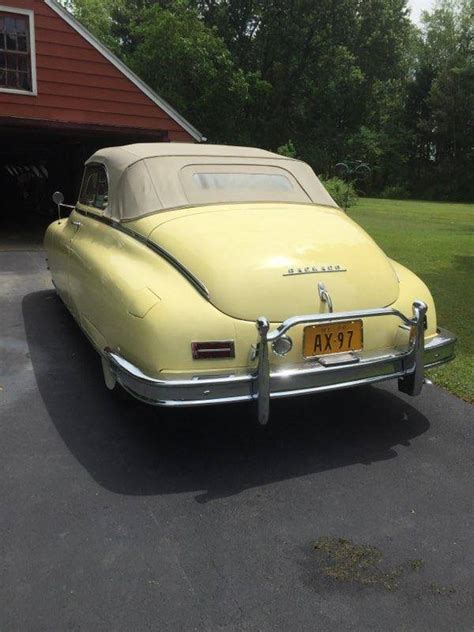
(343, 193)
(396, 192)
(288, 150)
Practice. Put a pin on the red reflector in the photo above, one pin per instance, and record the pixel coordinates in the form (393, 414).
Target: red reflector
(213, 349)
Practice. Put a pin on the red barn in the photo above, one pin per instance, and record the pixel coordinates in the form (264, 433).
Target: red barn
(62, 96)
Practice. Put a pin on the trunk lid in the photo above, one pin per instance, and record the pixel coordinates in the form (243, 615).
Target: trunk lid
(267, 260)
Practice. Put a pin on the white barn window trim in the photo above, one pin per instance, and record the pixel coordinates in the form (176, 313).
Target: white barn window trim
(17, 65)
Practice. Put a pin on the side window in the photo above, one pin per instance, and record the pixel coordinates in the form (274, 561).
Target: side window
(94, 191)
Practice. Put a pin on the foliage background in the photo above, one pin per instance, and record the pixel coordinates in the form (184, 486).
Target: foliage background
(344, 80)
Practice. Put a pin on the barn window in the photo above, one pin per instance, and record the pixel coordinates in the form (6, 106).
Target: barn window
(94, 190)
(17, 63)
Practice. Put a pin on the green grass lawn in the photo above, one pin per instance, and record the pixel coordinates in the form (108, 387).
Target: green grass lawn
(436, 241)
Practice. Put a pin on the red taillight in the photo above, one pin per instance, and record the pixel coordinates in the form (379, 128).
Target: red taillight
(213, 349)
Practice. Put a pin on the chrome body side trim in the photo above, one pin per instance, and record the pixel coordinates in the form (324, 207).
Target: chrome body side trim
(195, 282)
(199, 285)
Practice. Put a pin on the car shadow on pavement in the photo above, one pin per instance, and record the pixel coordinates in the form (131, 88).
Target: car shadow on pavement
(131, 448)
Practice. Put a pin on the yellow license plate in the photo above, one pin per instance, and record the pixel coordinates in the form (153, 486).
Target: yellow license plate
(328, 338)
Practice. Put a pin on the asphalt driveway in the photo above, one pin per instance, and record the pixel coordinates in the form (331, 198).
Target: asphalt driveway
(352, 511)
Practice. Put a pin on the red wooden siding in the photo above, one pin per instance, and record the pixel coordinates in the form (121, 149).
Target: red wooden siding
(77, 84)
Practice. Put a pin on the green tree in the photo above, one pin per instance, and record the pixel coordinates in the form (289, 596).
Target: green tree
(170, 47)
(344, 80)
(189, 64)
(326, 62)
(96, 16)
(441, 106)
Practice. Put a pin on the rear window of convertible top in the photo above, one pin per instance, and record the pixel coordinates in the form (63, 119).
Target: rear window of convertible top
(236, 183)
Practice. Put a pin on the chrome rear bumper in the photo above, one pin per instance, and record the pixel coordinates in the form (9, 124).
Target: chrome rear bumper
(364, 367)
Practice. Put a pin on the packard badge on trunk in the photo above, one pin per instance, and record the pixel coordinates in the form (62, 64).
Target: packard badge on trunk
(314, 270)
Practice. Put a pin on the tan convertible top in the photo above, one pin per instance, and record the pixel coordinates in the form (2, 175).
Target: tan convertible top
(150, 177)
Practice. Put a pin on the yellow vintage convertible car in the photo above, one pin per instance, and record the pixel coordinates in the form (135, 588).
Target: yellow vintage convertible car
(211, 274)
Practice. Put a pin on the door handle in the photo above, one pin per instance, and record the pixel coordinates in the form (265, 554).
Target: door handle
(76, 223)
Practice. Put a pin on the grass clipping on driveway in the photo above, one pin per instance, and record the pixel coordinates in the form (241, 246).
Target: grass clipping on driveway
(436, 241)
(345, 561)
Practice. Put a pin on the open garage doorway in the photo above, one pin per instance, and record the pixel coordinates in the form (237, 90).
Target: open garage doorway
(35, 161)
